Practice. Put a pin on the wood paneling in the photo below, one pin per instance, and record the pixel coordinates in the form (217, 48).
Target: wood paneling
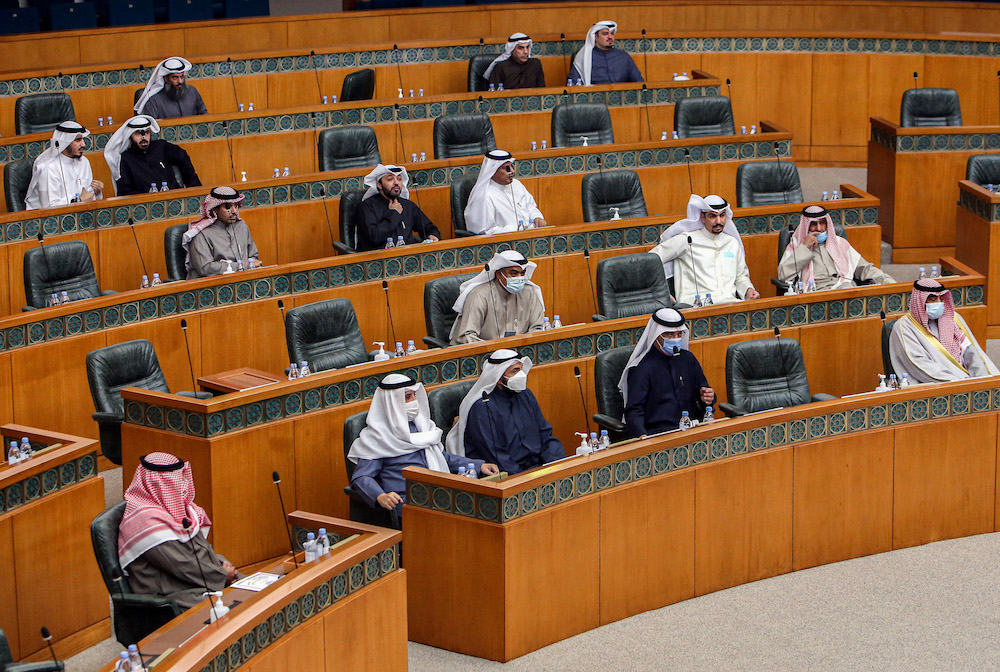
(304, 648)
(826, 348)
(839, 99)
(8, 588)
(367, 631)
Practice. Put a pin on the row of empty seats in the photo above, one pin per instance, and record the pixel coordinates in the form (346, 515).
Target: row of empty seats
(88, 15)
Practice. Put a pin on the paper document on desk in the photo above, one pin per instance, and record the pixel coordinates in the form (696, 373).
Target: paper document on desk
(256, 582)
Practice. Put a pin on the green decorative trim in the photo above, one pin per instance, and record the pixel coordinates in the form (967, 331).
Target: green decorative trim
(267, 631)
(410, 109)
(28, 224)
(878, 414)
(936, 142)
(746, 320)
(981, 208)
(49, 482)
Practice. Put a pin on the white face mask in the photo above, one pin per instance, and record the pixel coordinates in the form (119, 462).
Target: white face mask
(412, 410)
(518, 382)
(515, 285)
(935, 310)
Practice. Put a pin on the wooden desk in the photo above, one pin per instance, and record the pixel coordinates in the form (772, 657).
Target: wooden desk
(977, 243)
(234, 441)
(237, 380)
(345, 611)
(591, 540)
(913, 172)
(49, 574)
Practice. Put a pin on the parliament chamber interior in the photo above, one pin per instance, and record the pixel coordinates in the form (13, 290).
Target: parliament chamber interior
(881, 118)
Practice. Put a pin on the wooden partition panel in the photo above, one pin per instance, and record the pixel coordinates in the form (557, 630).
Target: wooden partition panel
(977, 243)
(8, 588)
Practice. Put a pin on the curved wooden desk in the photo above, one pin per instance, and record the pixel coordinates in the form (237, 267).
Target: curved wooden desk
(346, 611)
(588, 541)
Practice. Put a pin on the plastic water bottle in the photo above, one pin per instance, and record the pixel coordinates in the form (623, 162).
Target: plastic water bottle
(420, 93)
(461, 472)
(811, 287)
(423, 156)
(100, 121)
(675, 136)
(935, 272)
(388, 243)
(322, 543)
(304, 369)
(111, 122)
(697, 301)
(54, 300)
(251, 107)
(799, 288)
(569, 82)
(663, 135)
(239, 265)
(293, 371)
(25, 448)
(400, 91)
(123, 664)
(605, 440)
(411, 349)
(145, 282)
(579, 82)
(708, 299)
(134, 659)
(310, 547)
(500, 86)
(893, 382)
(685, 421)
(411, 93)
(152, 188)
(675, 75)
(826, 196)
(905, 381)
(399, 349)
(743, 130)
(277, 173)
(156, 280)
(242, 108)
(545, 144)
(836, 195)
(470, 471)
(753, 129)
(286, 172)
(534, 145)
(520, 225)
(64, 298)
(399, 241)
(334, 99)
(556, 322)
(709, 415)
(13, 454)
(325, 100)
(594, 443)
(922, 274)
(164, 187)
(545, 324)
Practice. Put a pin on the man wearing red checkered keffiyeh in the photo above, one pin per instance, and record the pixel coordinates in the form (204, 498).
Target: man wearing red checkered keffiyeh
(932, 343)
(220, 241)
(160, 556)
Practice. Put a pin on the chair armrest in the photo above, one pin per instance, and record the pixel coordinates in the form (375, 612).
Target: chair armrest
(108, 292)
(732, 411)
(597, 317)
(464, 233)
(104, 418)
(780, 284)
(25, 309)
(195, 395)
(823, 396)
(435, 342)
(609, 423)
(146, 602)
(681, 306)
(352, 494)
(342, 248)
(47, 666)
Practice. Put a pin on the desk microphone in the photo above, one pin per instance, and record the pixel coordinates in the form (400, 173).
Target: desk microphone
(388, 310)
(645, 93)
(281, 307)
(62, 88)
(399, 73)
(186, 524)
(777, 332)
(62, 175)
(184, 328)
(687, 157)
(326, 211)
(562, 48)
(47, 636)
(277, 484)
(583, 399)
(229, 146)
(312, 61)
(915, 79)
(645, 56)
(312, 122)
(116, 578)
(232, 80)
(729, 88)
(131, 225)
(694, 274)
(590, 279)
(777, 158)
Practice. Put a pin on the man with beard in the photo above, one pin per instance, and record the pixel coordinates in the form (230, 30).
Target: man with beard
(138, 162)
(515, 68)
(499, 201)
(61, 174)
(598, 62)
(220, 241)
(168, 95)
(389, 214)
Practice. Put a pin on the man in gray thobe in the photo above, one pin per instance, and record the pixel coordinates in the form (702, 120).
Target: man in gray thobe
(220, 242)
(501, 301)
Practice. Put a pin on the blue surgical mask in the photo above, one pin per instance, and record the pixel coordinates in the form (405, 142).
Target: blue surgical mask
(669, 344)
(515, 285)
(821, 237)
(934, 310)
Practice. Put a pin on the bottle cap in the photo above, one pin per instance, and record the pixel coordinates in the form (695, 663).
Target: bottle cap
(310, 536)
(322, 531)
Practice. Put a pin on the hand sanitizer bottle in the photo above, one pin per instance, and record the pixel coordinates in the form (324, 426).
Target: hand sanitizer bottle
(381, 355)
(584, 447)
(218, 609)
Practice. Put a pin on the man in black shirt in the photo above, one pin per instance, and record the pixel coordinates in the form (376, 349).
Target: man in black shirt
(138, 162)
(388, 212)
(515, 68)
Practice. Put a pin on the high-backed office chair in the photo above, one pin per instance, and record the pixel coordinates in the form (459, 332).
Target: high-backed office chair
(348, 147)
(458, 135)
(173, 251)
(16, 179)
(439, 296)
(41, 112)
(612, 189)
(189, 10)
(350, 218)
(930, 107)
(135, 616)
(59, 267)
(444, 403)
(72, 16)
(114, 367)
(238, 9)
(7, 663)
(358, 85)
(766, 373)
(887, 327)
(477, 66)
(701, 116)
(15, 21)
(630, 285)
(983, 169)
(326, 334)
(130, 13)
(461, 189)
(767, 183)
(608, 368)
(360, 512)
(571, 121)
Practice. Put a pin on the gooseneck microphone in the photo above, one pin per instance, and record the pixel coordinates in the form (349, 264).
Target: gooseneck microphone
(729, 88)
(62, 175)
(583, 399)
(232, 80)
(398, 56)
(281, 307)
(326, 211)
(184, 328)
(312, 61)
(186, 524)
(645, 60)
(694, 273)
(388, 310)
(687, 158)
(229, 146)
(131, 225)
(590, 276)
(47, 636)
(645, 94)
(915, 85)
(281, 500)
(777, 158)
(562, 48)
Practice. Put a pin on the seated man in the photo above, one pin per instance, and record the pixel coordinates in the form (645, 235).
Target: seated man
(220, 241)
(61, 174)
(662, 378)
(138, 163)
(605, 64)
(161, 556)
(399, 433)
(168, 95)
(494, 304)
(388, 212)
(515, 68)
(499, 202)
(710, 254)
(507, 426)
(932, 343)
(816, 253)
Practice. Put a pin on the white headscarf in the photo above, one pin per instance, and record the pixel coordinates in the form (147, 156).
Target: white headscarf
(583, 59)
(167, 66)
(122, 140)
(665, 319)
(475, 211)
(696, 206)
(62, 136)
(500, 260)
(372, 178)
(512, 42)
(387, 431)
(493, 369)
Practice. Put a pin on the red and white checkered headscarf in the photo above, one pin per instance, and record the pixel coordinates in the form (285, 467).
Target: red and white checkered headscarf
(838, 248)
(949, 333)
(160, 497)
(213, 199)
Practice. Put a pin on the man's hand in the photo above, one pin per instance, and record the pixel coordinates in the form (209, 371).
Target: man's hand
(230, 572)
(489, 469)
(707, 396)
(811, 241)
(394, 204)
(753, 293)
(540, 222)
(97, 186)
(433, 239)
(389, 500)
(86, 196)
